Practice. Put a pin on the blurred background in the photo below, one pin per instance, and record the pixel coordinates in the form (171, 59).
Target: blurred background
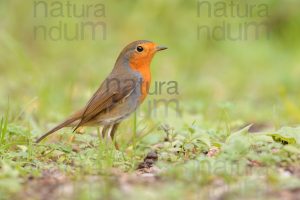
(254, 79)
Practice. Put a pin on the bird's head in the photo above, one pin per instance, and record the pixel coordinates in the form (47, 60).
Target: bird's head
(139, 54)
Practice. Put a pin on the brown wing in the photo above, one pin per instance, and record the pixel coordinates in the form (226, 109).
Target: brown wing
(113, 90)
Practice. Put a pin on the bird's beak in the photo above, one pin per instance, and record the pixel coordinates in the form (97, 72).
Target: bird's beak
(160, 48)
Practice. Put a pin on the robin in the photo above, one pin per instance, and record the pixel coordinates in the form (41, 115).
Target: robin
(121, 92)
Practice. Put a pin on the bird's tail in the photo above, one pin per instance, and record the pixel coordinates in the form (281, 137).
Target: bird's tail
(60, 126)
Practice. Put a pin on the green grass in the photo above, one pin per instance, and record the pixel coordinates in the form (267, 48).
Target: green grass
(198, 162)
(206, 152)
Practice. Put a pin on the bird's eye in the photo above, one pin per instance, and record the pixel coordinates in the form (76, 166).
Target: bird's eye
(139, 48)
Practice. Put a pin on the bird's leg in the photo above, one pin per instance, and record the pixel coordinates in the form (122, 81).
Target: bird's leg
(113, 131)
(104, 130)
(109, 132)
(99, 132)
(112, 134)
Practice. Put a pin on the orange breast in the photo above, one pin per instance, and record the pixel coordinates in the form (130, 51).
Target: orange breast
(145, 84)
(143, 67)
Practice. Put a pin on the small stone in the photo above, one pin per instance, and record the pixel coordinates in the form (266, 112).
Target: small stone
(149, 162)
(142, 165)
(152, 155)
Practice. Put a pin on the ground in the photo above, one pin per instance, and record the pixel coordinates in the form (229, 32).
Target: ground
(192, 163)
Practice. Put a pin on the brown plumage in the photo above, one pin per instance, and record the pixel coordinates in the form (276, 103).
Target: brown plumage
(120, 93)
